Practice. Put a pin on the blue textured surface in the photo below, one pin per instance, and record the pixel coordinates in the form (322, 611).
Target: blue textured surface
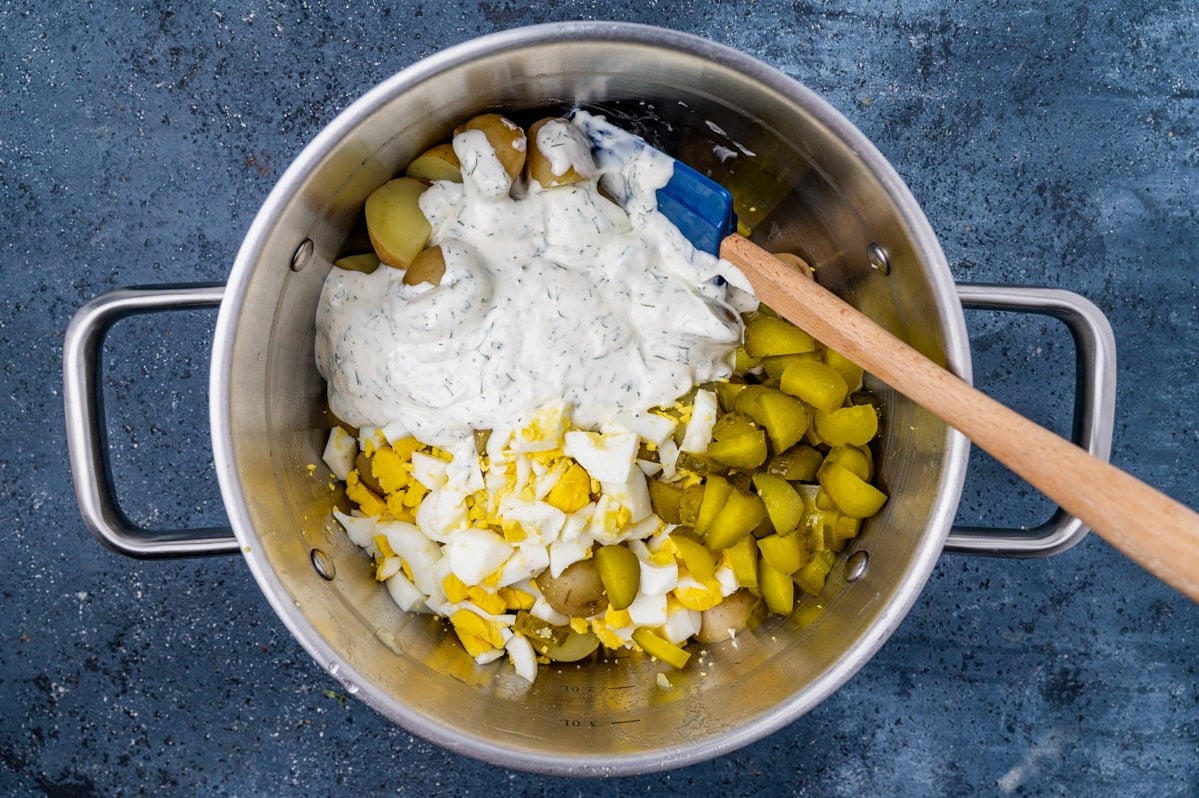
(1049, 143)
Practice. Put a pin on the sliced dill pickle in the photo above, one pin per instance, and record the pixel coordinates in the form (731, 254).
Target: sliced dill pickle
(699, 464)
(766, 336)
(666, 499)
(574, 648)
(689, 504)
(730, 425)
(620, 571)
(782, 552)
(699, 561)
(716, 494)
(852, 495)
(784, 417)
(811, 577)
(853, 426)
(842, 530)
(853, 458)
(660, 648)
(746, 400)
(743, 362)
(777, 589)
(798, 464)
(740, 515)
(851, 372)
(727, 393)
(783, 504)
(818, 384)
(541, 634)
(744, 451)
(742, 557)
(775, 365)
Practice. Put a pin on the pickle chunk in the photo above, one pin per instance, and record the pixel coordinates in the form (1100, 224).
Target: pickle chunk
(620, 571)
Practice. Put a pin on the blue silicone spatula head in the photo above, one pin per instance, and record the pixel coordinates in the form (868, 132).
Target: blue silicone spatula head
(700, 207)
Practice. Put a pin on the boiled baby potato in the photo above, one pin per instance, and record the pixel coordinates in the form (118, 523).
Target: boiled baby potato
(426, 267)
(365, 263)
(436, 163)
(559, 153)
(577, 592)
(799, 264)
(505, 137)
(397, 228)
(739, 611)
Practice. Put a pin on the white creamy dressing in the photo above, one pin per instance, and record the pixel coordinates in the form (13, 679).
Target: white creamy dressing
(549, 295)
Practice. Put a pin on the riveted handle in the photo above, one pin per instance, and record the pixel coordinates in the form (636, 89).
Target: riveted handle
(86, 440)
(1094, 409)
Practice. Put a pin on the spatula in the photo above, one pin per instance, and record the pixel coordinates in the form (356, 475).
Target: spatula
(1159, 533)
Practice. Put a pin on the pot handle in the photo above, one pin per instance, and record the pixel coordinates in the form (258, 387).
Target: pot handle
(1094, 409)
(87, 445)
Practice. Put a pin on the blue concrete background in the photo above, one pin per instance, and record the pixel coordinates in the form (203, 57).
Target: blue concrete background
(1051, 143)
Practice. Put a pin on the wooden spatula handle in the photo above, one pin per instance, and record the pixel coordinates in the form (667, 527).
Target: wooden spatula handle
(1151, 528)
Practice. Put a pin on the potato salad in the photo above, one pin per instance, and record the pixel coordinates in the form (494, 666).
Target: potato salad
(564, 430)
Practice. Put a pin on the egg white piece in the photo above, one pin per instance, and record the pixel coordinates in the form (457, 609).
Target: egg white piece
(543, 430)
(607, 458)
(405, 594)
(524, 658)
(341, 449)
(681, 624)
(476, 553)
(564, 553)
(421, 554)
(658, 580)
(429, 471)
(633, 494)
(541, 521)
(703, 419)
(395, 430)
(527, 561)
(359, 528)
(442, 513)
(648, 610)
(650, 427)
(727, 580)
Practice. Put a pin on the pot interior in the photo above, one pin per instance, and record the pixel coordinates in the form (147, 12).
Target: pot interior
(805, 182)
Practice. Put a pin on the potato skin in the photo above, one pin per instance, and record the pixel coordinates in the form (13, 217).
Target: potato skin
(397, 228)
(427, 267)
(506, 138)
(539, 166)
(739, 611)
(578, 592)
(436, 163)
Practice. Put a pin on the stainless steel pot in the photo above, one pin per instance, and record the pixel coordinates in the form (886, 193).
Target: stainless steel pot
(806, 181)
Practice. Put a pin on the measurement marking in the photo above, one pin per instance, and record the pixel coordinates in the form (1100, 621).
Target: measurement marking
(620, 687)
(618, 722)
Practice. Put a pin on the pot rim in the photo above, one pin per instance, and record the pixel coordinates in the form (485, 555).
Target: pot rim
(478, 747)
